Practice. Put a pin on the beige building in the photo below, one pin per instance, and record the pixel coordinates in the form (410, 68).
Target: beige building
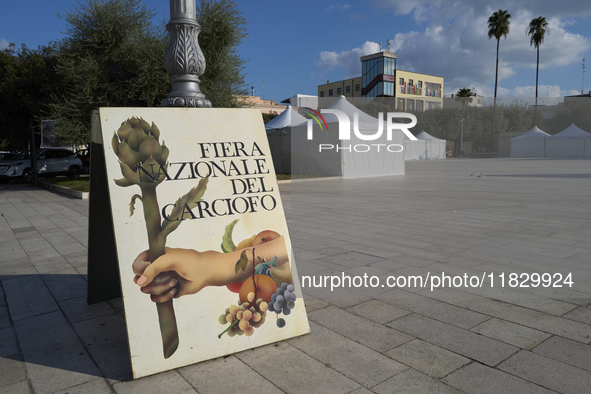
(381, 78)
(266, 106)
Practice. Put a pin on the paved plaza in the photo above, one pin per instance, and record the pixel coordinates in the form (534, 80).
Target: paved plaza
(464, 218)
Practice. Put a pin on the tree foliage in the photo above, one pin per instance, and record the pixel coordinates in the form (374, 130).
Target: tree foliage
(222, 30)
(570, 112)
(537, 29)
(27, 80)
(112, 56)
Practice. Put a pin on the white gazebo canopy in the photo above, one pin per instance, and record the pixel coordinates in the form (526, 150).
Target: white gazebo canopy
(354, 158)
(570, 142)
(284, 120)
(435, 146)
(530, 144)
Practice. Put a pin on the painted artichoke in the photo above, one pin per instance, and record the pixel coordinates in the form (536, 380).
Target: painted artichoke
(141, 157)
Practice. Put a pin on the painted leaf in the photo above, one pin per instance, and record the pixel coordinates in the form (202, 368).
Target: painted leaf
(132, 204)
(242, 262)
(227, 243)
(190, 200)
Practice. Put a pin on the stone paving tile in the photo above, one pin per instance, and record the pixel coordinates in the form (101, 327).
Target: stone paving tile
(552, 324)
(28, 296)
(18, 388)
(581, 314)
(343, 298)
(65, 285)
(547, 372)
(480, 379)
(238, 377)
(77, 310)
(313, 304)
(566, 351)
(105, 338)
(166, 382)
(57, 349)
(511, 333)
(370, 334)
(346, 356)
(361, 390)
(96, 386)
(414, 382)
(8, 343)
(378, 311)
(432, 308)
(353, 259)
(12, 370)
(486, 350)
(278, 363)
(427, 358)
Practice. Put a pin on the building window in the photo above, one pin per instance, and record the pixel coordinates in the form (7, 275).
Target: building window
(330, 92)
(339, 91)
(410, 82)
(357, 87)
(400, 104)
(348, 89)
(322, 94)
(410, 105)
(432, 90)
(400, 81)
(420, 105)
(420, 84)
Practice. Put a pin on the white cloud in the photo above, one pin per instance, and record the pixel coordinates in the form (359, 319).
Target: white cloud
(347, 60)
(337, 7)
(452, 42)
(530, 91)
(4, 44)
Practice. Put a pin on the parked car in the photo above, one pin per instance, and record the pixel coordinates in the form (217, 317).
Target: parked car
(7, 155)
(84, 156)
(50, 162)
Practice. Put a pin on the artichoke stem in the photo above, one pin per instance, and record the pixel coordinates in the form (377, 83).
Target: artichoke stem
(166, 317)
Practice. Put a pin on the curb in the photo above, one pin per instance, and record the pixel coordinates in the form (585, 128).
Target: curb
(64, 190)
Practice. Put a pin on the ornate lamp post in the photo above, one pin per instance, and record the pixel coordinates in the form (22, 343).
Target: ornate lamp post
(184, 59)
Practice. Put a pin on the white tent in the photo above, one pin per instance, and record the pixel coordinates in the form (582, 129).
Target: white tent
(279, 135)
(414, 150)
(325, 154)
(285, 120)
(570, 142)
(529, 144)
(435, 146)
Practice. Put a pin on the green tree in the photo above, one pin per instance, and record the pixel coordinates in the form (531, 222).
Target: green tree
(567, 113)
(112, 56)
(270, 116)
(537, 29)
(498, 26)
(222, 30)
(27, 81)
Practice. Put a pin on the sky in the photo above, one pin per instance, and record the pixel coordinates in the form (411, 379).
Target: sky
(293, 46)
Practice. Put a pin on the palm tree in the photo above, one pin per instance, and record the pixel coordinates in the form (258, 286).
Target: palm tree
(463, 94)
(498, 26)
(537, 29)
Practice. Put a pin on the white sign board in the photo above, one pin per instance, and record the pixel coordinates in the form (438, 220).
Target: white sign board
(204, 252)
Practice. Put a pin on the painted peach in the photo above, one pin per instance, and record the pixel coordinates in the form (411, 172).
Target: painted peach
(265, 236)
(265, 285)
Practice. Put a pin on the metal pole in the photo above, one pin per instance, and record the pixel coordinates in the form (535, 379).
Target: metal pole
(462, 136)
(184, 59)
